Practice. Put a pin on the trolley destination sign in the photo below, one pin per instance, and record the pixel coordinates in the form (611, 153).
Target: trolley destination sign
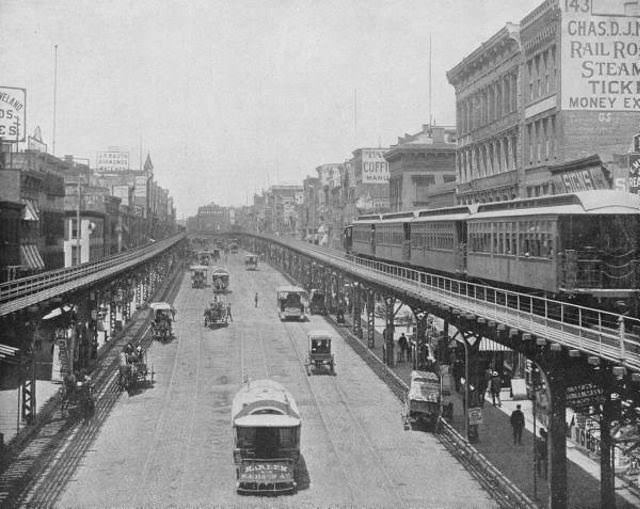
(265, 472)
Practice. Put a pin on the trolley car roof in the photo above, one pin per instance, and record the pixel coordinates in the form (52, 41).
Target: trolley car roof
(161, 306)
(319, 334)
(290, 289)
(194, 268)
(219, 270)
(267, 421)
(263, 399)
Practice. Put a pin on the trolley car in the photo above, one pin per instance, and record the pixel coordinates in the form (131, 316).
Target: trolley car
(292, 302)
(266, 434)
(220, 279)
(251, 262)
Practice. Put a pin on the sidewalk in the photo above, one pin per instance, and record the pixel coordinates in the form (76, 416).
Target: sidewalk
(516, 462)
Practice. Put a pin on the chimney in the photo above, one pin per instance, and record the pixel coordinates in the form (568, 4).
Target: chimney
(437, 134)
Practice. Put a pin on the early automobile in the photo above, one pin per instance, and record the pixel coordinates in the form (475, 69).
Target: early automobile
(198, 276)
(423, 405)
(220, 279)
(215, 314)
(251, 262)
(162, 321)
(233, 246)
(320, 354)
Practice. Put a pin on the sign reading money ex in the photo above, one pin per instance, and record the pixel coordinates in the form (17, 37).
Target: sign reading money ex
(600, 48)
(13, 113)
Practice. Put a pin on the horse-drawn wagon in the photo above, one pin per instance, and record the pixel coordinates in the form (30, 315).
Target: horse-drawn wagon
(133, 370)
(198, 276)
(216, 314)
(162, 321)
(423, 404)
(78, 392)
(251, 262)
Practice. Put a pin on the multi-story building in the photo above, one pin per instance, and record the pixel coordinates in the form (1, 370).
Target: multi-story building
(282, 204)
(549, 105)
(308, 218)
(330, 222)
(422, 169)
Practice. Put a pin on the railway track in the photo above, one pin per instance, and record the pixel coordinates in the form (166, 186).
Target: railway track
(38, 475)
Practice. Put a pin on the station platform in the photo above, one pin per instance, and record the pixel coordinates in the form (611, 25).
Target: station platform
(516, 462)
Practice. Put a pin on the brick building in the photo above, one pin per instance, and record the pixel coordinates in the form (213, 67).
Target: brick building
(539, 112)
(418, 165)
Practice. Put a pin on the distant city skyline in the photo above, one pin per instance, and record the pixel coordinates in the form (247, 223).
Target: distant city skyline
(230, 97)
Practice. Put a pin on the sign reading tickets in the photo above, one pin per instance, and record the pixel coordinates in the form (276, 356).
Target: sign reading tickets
(600, 49)
(112, 161)
(13, 113)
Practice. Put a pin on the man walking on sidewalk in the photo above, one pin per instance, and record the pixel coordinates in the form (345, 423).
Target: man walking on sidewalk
(255, 300)
(517, 424)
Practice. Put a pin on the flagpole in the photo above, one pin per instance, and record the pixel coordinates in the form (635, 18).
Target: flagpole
(55, 95)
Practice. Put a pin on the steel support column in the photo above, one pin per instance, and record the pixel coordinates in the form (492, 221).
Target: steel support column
(389, 331)
(557, 431)
(607, 474)
(29, 404)
(356, 309)
(371, 319)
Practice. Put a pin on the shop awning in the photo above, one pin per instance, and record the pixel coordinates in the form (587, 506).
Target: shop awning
(30, 211)
(488, 345)
(9, 353)
(30, 257)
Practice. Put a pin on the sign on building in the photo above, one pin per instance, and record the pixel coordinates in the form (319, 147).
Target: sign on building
(587, 179)
(112, 161)
(375, 169)
(600, 44)
(634, 173)
(13, 114)
(581, 397)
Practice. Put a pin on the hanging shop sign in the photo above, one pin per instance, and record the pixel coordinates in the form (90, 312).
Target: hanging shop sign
(582, 396)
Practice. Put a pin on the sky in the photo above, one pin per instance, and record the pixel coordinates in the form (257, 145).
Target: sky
(231, 96)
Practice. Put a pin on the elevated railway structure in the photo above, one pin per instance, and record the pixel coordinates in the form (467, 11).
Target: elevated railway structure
(578, 353)
(114, 287)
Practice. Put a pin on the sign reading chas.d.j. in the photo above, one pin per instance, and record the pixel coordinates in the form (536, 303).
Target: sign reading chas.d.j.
(600, 65)
(13, 113)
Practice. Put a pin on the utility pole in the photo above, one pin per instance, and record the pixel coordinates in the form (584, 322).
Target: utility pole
(55, 95)
(78, 246)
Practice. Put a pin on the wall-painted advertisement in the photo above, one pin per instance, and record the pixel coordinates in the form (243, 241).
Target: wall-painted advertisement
(375, 169)
(112, 161)
(13, 114)
(600, 48)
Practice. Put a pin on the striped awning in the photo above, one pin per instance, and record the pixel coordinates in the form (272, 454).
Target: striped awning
(30, 257)
(30, 211)
(9, 353)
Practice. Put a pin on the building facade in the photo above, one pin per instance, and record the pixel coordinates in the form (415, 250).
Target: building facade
(548, 105)
(420, 164)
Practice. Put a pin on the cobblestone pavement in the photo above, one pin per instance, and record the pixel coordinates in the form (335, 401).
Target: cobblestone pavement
(171, 444)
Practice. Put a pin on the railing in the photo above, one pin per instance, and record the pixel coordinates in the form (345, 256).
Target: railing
(11, 291)
(607, 335)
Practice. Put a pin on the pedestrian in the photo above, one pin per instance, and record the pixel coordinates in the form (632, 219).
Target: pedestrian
(255, 300)
(496, 387)
(541, 453)
(229, 316)
(403, 344)
(517, 424)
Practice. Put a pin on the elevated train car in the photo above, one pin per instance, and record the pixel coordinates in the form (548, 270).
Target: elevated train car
(582, 245)
(266, 435)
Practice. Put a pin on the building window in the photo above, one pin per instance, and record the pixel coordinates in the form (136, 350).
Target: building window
(545, 66)
(545, 136)
(530, 142)
(498, 100)
(75, 250)
(514, 92)
(531, 79)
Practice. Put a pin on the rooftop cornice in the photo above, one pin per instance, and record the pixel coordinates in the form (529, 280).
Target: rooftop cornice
(508, 32)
